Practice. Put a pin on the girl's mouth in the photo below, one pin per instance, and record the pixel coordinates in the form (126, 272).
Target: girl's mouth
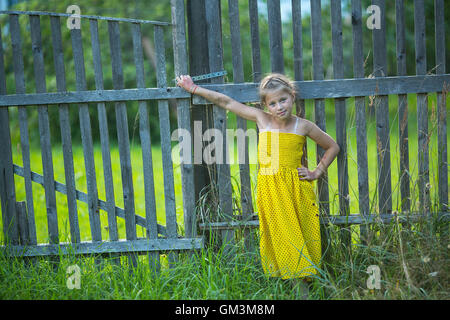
(282, 113)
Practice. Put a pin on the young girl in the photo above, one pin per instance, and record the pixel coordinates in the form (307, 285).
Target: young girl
(288, 212)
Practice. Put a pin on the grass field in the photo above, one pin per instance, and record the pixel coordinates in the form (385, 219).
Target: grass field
(413, 262)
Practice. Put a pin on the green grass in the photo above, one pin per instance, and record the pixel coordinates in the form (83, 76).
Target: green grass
(210, 274)
(413, 263)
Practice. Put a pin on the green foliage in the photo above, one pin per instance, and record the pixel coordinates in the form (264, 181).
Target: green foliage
(158, 11)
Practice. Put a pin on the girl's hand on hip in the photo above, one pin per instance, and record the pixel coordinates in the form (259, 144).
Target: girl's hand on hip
(185, 82)
(305, 174)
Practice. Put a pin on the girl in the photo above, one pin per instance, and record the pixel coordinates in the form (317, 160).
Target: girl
(288, 212)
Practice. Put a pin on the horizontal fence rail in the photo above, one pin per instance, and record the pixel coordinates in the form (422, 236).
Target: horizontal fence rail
(140, 246)
(360, 219)
(56, 14)
(245, 92)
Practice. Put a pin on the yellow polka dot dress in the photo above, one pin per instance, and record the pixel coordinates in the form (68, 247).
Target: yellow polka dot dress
(288, 212)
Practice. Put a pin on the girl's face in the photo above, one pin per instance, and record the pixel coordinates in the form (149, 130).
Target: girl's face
(280, 103)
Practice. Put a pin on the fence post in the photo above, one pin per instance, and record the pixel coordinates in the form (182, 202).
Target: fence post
(7, 189)
(198, 64)
(183, 112)
(213, 18)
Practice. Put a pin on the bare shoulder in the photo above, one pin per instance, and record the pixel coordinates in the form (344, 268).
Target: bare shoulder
(304, 126)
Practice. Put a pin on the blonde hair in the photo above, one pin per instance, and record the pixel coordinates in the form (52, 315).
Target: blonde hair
(274, 82)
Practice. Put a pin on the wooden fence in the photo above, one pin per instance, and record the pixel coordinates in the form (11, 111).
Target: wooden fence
(19, 225)
(360, 87)
(160, 238)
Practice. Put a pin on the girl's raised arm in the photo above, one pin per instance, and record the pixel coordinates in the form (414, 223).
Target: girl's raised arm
(217, 98)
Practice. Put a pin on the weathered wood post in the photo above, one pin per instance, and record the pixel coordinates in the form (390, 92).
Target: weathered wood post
(7, 188)
(184, 116)
(205, 176)
(213, 19)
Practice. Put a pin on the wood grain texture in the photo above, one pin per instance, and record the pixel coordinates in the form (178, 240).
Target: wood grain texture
(241, 123)
(360, 117)
(441, 107)
(138, 246)
(66, 136)
(340, 112)
(147, 162)
(244, 92)
(104, 134)
(19, 77)
(123, 136)
(7, 184)
(44, 130)
(423, 135)
(319, 104)
(183, 114)
(384, 187)
(275, 36)
(86, 136)
(402, 109)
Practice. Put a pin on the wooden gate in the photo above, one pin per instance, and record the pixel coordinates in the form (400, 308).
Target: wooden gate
(19, 225)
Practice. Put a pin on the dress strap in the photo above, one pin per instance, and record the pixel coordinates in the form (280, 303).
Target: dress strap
(296, 122)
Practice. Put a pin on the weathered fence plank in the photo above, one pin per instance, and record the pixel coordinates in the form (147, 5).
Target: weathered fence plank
(123, 136)
(360, 117)
(104, 134)
(66, 137)
(16, 43)
(422, 108)
(105, 247)
(402, 109)
(382, 114)
(7, 184)
(220, 119)
(337, 220)
(238, 77)
(147, 162)
(44, 130)
(441, 106)
(298, 66)
(244, 92)
(166, 150)
(254, 35)
(184, 117)
(340, 115)
(21, 214)
(67, 15)
(275, 36)
(319, 104)
(86, 137)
